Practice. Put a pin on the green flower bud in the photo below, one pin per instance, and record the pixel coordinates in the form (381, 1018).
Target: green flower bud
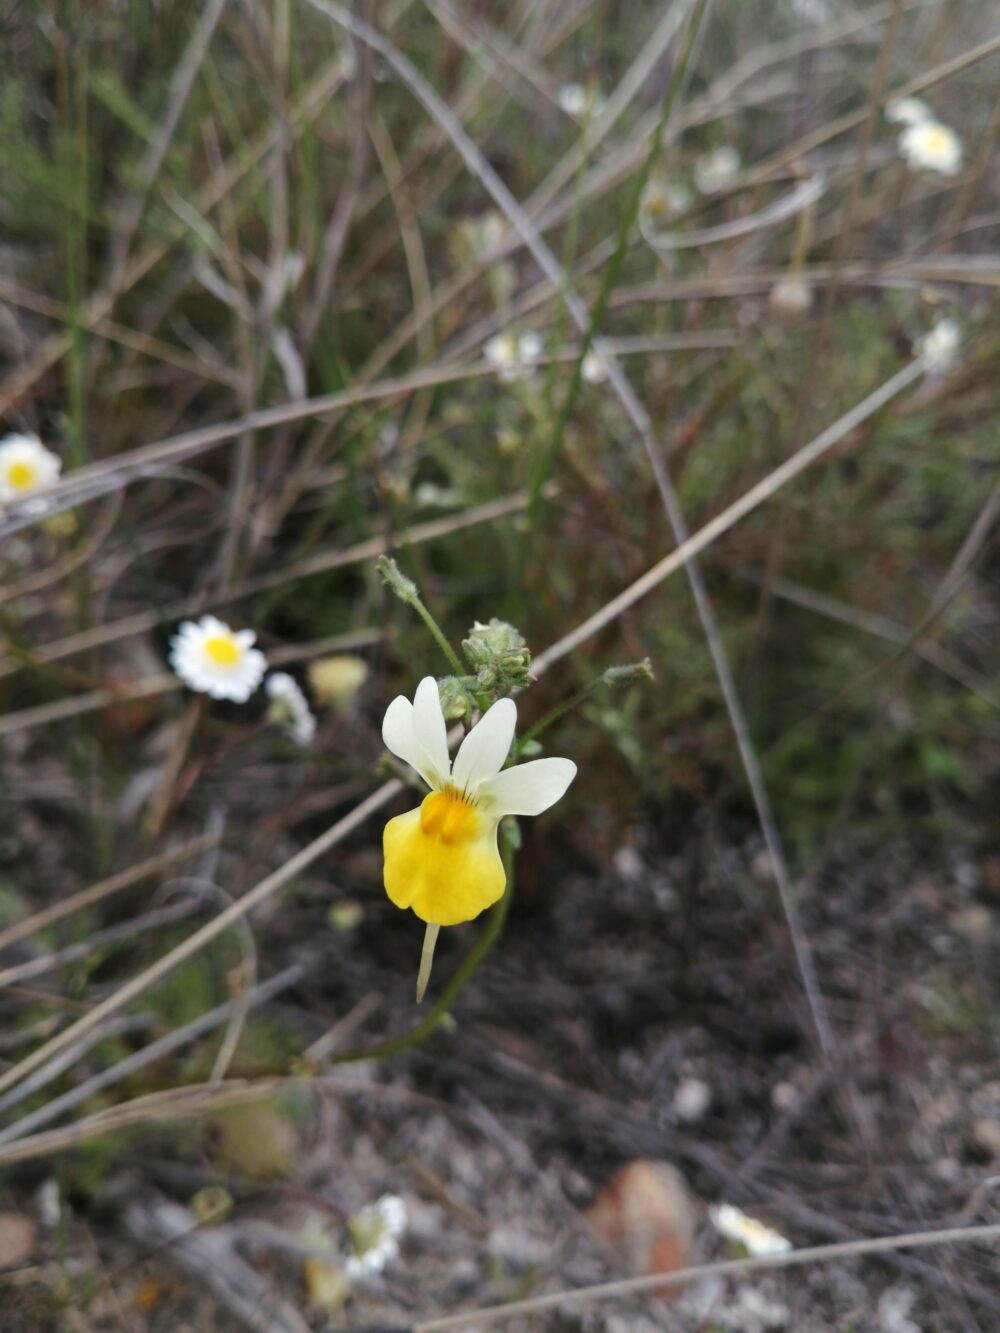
(629, 673)
(455, 701)
(391, 575)
(500, 656)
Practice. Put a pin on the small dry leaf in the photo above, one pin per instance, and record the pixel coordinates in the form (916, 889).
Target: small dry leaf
(648, 1215)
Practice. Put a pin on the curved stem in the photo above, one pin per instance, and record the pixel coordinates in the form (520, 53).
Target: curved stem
(438, 634)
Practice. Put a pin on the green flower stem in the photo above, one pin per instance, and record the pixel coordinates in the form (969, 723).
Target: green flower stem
(416, 1036)
(439, 638)
(613, 677)
(406, 590)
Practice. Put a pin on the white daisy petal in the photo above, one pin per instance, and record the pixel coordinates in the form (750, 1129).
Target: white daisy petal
(486, 747)
(530, 788)
(430, 730)
(908, 111)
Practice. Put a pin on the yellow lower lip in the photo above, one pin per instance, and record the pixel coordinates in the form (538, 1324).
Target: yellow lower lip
(442, 860)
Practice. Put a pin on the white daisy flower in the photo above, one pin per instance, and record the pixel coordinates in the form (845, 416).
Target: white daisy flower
(375, 1233)
(758, 1240)
(442, 859)
(529, 348)
(26, 467)
(716, 170)
(579, 102)
(908, 111)
(592, 368)
(514, 357)
(213, 659)
(927, 145)
(939, 348)
(289, 707)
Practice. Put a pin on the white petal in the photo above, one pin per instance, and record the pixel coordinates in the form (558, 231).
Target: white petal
(487, 745)
(530, 788)
(398, 736)
(429, 728)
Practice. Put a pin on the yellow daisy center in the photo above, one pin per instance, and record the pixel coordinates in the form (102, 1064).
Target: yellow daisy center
(22, 476)
(223, 650)
(936, 140)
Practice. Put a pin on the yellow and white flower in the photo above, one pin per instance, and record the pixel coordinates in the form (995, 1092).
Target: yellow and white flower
(759, 1241)
(928, 145)
(26, 467)
(908, 111)
(939, 347)
(290, 708)
(716, 170)
(213, 659)
(514, 357)
(442, 858)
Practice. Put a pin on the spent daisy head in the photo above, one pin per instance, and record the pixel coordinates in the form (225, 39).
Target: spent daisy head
(940, 346)
(374, 1235)
(716, 170)
(579, 102)
(592, 369)
(662, 201)
(928, 145)
(26, 467)
(512, 356)
(213, 659)
(442, 859)
(289, 707)
(790, 297)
